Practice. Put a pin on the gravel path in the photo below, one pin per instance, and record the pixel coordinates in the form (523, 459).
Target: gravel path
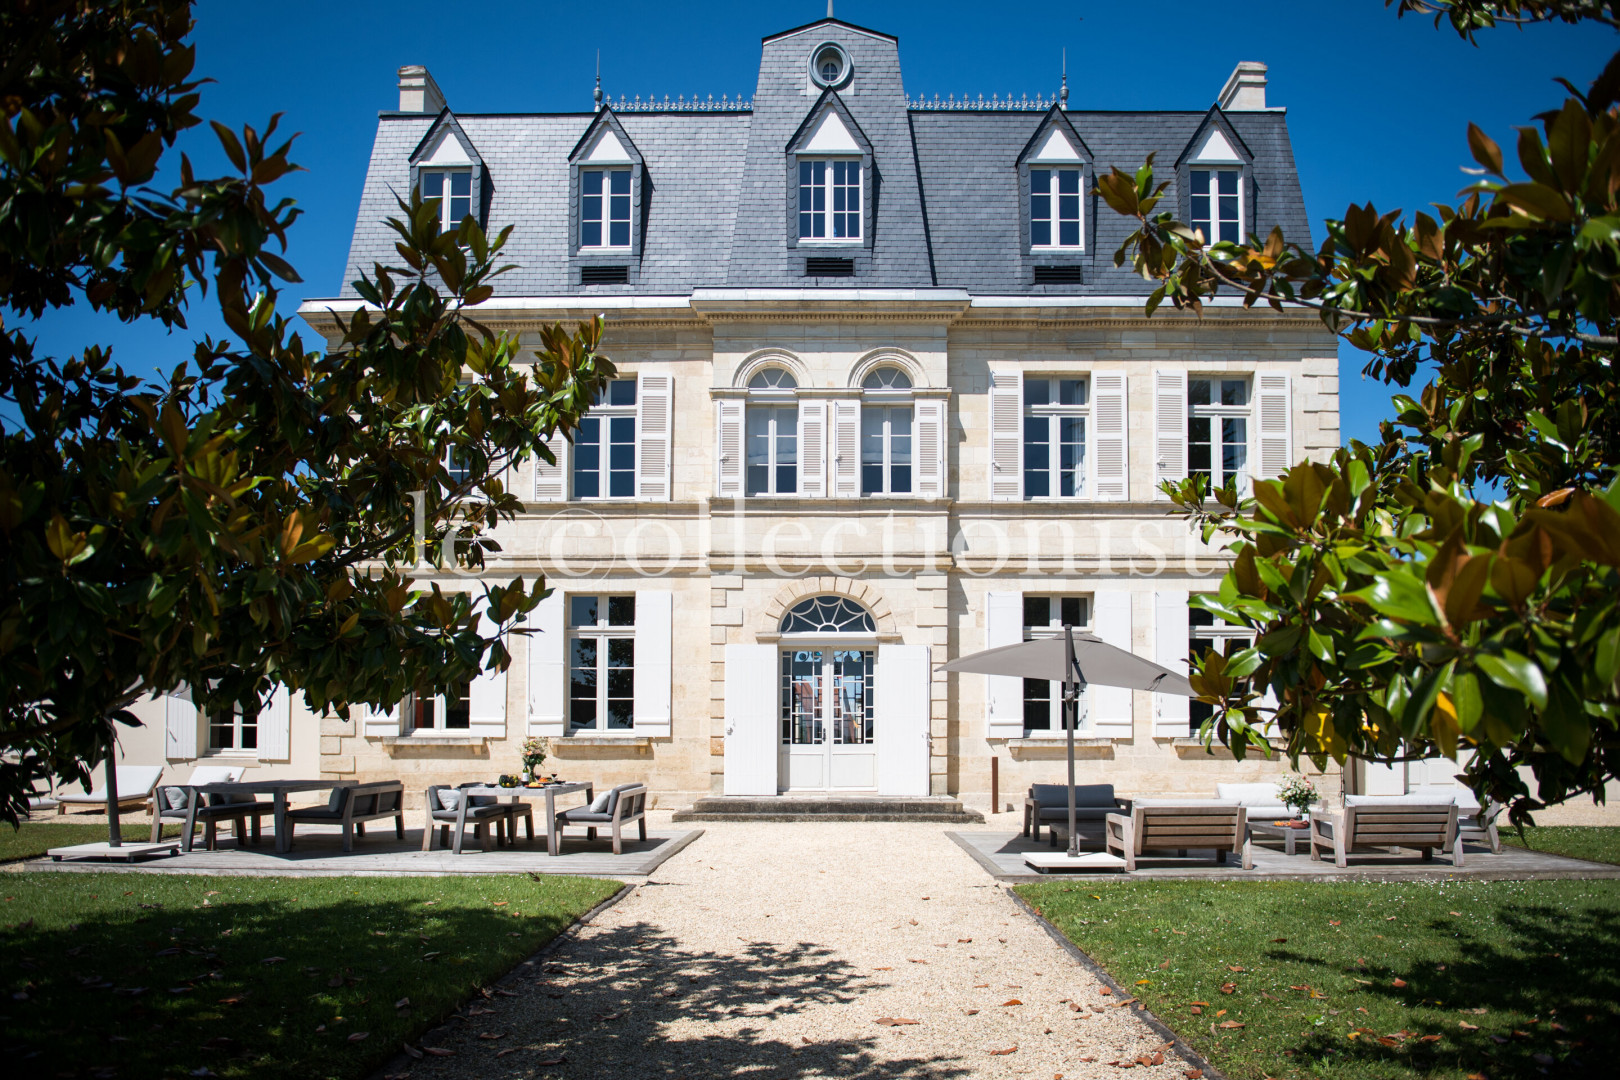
(771, 951)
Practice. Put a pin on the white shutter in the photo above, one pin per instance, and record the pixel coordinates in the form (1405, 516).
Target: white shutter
(751, 720)
(930, 413)
(655, 401)
(1006, 435)
(653, 669)
(548, 675)
(904, 693)
(179, 725)
(486, 697)
(551, 481)
(1111, 705)
(729, 446)
(275, 726)
(1169, 428)
(377, 721)
(1381, 779)
(813, 449)
(1171, 714)
(1109, 452)
(846, 449)
(1004, 694)
(1275, 426)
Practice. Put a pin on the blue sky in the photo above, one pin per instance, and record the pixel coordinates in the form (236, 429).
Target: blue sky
(1377, 107)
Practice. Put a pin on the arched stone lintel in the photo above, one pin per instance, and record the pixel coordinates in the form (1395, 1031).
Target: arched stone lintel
(770, 619)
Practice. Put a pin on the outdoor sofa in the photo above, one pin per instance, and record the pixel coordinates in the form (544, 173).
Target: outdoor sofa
(1388, 822)
(173, 804)
(352, 806)
(1048, 804)
(135, 786)
(1260, 800)
(1180, 826)
(612, 810)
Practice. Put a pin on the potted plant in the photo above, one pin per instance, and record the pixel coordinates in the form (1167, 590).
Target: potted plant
(1297, 793)
(533, 753)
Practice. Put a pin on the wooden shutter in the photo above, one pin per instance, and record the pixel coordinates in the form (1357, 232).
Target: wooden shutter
(813, 449)
(1275, 426)
(548, 674)
(1109, 455)
(1171, 714)
(846, 468)
(1169, 428)
(487, 694)
(275, 726)
(903, 696)
(179, 725)
(930, 414)
(729, 446)
(751, 720)
(655, 401)
(1111, 705)
(378, 721)
(551, 481)
(653, 671)
(1006, 435)
(1004, 694)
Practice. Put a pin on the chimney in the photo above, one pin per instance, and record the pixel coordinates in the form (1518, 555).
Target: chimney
(1244, 91)
(418, 93)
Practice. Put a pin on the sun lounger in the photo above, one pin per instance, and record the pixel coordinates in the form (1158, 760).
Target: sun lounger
(135, 785)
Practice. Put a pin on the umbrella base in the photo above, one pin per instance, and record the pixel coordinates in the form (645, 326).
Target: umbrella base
(1091, 863)
(104, 850)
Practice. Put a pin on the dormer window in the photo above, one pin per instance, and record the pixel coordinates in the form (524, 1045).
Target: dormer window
(1217, 210)
(604, 208)
(830, 199)
(453, 189)
(1054, 207)
(1053, 167)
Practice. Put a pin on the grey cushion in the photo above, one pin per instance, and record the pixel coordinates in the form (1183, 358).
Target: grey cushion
(580, 816)
(449, 798)
(174, 798)
(1081, 813)
(316, 813)
(474, 813)
(1093, 795)
(334, 804)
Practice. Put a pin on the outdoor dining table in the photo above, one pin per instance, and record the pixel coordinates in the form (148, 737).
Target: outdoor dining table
(277, 789)
(549, 791)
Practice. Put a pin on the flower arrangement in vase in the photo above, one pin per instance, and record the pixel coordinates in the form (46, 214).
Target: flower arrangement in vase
(1297, 793)
(533, 753)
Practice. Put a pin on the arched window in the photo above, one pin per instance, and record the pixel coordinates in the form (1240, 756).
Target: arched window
(772, 442)
(886, 440)
(828, 615)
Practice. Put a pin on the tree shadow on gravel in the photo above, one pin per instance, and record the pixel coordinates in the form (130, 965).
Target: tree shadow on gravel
(630, 1001)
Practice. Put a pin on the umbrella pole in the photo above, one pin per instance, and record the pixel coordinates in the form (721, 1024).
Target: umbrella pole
(1070, 702)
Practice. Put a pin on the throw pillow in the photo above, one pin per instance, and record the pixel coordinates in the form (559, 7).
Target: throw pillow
(599, 805)
(449, 799)
(174, 798)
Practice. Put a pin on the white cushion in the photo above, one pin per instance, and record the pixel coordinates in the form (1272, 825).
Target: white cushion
(1232, 803)
(599, 805)
(449, 799)
(1440, 793)
(1249, 794)
(174, 798)
(1396, 800)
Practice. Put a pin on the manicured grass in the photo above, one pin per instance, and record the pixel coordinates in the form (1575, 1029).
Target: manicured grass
(34, 838)
(163, 975)
(1597, 843)
(1364, 980)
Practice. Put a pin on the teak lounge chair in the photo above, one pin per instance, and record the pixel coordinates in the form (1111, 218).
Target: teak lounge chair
(1162, 825)
(1395, 821)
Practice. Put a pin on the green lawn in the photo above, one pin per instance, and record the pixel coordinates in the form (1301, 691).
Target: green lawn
(164, 975)
(1366, 980)
(1598, 843)
(35, 837)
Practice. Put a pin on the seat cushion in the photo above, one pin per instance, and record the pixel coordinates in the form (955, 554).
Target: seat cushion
(1081, 813)
(580, 816)
(474, 813)
(315, 813)
(1095, 795)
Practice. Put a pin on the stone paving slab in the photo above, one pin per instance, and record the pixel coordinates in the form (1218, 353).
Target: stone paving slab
(318, 850)
(1001, 854)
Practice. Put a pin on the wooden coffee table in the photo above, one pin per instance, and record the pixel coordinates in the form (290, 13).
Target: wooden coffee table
(1269, 829)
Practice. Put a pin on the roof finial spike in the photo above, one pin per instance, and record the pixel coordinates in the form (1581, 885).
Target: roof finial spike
(1063, 92)
(596, 95)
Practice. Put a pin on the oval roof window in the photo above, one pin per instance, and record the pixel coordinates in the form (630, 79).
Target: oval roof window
(829, 65)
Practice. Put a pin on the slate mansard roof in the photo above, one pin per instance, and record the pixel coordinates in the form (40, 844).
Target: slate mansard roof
(946, 207)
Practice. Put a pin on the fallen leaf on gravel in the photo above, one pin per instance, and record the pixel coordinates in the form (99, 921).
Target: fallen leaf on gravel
(359, 1036)
(1105, 990)
(1122, 1004)
(883, 969)
(1230, 1024)
(505, 993)
(980, 986)
(963, 940)
(1228, 988)
(1011, 1001)
(1194, 1074)
(895, 1021)
(610, 1016)
(919, 961)
(1076, 1008)
(912, 921)
(802, 1038)
(438, 1051)
(971, 1012)
(411, 1051)
(1009, 1050)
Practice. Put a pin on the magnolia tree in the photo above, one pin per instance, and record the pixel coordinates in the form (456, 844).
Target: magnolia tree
(253, 517)
(1455, 586)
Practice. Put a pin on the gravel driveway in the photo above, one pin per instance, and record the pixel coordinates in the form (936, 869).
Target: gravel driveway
(772, 951)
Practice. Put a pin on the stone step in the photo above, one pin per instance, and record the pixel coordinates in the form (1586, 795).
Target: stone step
(829, 808)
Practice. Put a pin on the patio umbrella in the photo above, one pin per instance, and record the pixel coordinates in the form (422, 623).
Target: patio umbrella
(1074, 660)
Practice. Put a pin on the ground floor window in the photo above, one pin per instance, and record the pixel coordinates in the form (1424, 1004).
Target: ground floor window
(1046, 617)
(1208, 632)
(235, 730)
(601, 663)
(448, 710)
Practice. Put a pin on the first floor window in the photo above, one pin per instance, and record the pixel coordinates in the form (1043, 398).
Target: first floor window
(1055, 413)
(1216, 209)
(605, 445)
(1047, 617)
(235, 730)
(1218, 430)
(604, 208)
(885, 449)
(1206, 632)
(601, 663)
(773, 449)
(453, 189)
(830, 200)
(449, 709)
(1054, 207)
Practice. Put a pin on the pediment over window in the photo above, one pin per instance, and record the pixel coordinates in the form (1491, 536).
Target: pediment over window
(446, 165)
(446, 146)
(605, 143)
(1055, 141)
(829, 129)
(1216, 143)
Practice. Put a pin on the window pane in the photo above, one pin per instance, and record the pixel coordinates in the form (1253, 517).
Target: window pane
(1200, 181)
(1037, 611)
(461, 183)
(1072, 451)
(426, 709)
(1037, 392)
(900, 479)
(221, 737)
(1069, 232)
(619, 231)
(621, 611)
(1073, 611)
(622, 457)
(588, 459)
(619, 182)
(1234, 391)
(590, 232)
(1235, 447)
(432, 185)
(582, 683)
(250, 732)
(1037, 457)
(1198, 456)
(582, 611)
(1040, 233)
(1071, 391)
(1037, 705)
(872, 450)
(1198, 391)
(1228, 180)
(460, 207)
(590, 181)
(1040, 181)
(1069, 181)
(458, 706)
(622, 392)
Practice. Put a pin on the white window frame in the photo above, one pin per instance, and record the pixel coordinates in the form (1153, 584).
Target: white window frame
(602, 632)
(1053, 628)
(1055, 219)
(448, 219)
(1223, 636)
(605, 414)
(888, 397)
(773, 390)
(441, 713)
(826, 212)
(1216, 414)
(607, 219)
(1214, 219)
(1054, 414)
(235, 727)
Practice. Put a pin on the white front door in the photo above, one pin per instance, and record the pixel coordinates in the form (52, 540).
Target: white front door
(827, 730)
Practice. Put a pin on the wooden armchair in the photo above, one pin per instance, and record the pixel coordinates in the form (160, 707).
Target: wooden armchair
(1371, 821)
(1178, 827)
(625, 803)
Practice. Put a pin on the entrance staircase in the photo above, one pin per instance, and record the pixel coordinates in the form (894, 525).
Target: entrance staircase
(940, 808)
